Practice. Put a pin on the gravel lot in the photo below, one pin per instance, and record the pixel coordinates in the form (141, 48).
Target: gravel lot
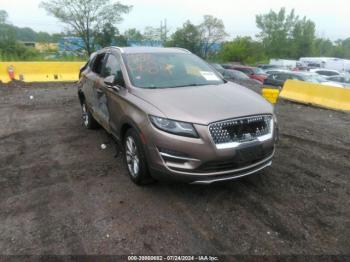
(60, 193)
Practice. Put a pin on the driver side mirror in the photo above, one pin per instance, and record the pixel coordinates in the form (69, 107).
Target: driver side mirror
(109, 80)
(111, 83)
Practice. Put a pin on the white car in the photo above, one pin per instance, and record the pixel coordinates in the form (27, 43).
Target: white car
(324, 72)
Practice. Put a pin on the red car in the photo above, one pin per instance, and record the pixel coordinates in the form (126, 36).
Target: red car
(253, 72)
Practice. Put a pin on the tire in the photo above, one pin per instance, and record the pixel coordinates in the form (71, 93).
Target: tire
(135, 159)
(88, 120)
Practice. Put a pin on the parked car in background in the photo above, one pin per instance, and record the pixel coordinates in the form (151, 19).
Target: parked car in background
(253, 72)
(273, 71)
(218, 67)
(242, 79)
(269, 67)
(174, 117)
(340, 79)
(279, 78)
(325, 72)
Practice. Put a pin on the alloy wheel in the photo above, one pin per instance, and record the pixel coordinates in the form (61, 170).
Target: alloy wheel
(132, 157)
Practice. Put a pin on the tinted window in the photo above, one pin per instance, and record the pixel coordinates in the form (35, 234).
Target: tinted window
(258, 71)
(327, 73)
(336, 78)
(245, 70)
(281, 77)
(98, 63)
(113, 68)
(294, 77)
(235, 74)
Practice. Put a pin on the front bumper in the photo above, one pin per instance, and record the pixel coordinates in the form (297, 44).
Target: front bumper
(199, 161)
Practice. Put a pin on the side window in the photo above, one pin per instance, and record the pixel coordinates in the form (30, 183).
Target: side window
(272, 77)
(293, 77)
(91, 61)
(281, 77)
(244, 70)
(98, 63)
(113, 68)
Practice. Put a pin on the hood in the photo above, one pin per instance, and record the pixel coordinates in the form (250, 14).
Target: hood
(205, 104)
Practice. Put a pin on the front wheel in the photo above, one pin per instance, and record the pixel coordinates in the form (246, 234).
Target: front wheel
(135, 159)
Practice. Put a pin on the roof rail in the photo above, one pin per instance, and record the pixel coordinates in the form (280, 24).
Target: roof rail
(119, 48)
(183, 49)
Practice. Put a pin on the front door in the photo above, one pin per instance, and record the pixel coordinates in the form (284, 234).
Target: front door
(115, 95)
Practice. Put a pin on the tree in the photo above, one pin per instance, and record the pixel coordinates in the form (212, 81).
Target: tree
(106, 36)
(276, 31)
(133, 34)
(188, 37)
(86, 17)
(303, 38)
(244, 50)
(3, 16)
(25, 34)
(43, 37)
(323, 47)
(212, 32)
(342, 48)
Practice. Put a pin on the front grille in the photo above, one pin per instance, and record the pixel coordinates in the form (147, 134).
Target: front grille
(240, 129)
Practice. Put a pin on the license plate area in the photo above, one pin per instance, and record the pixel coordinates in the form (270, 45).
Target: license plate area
(250, 154)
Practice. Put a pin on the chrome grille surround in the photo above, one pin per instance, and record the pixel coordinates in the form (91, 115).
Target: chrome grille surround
(233, 132)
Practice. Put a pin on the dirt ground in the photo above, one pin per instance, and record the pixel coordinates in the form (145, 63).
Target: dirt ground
(60, 193)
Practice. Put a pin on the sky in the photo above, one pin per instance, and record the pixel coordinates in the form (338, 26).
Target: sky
(331, 17)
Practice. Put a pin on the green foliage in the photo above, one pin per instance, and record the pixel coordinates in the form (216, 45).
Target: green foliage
(212, 32)
(342, 48)
(133, 34)
(188, 37)
(86, 18)
(323, 47)
(106, 36)
(244, 50)
(199, 39)
(10, 49)
(286, 35)
(3, 16)
(276, 31)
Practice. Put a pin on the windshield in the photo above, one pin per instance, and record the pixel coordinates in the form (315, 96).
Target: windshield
(236, 74)
(314, 78)
(258, 71)
(169, 70)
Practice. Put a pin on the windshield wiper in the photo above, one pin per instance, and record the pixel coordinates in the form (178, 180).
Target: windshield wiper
(189, 85)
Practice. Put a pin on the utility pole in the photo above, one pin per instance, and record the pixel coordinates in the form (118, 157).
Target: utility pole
(163, 30)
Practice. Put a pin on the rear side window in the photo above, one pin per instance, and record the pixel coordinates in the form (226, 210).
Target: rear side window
(244, 70)
(327, 73)
(281, 77)
(98, 63)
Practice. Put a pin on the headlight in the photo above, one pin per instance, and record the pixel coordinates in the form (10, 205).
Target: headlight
(174, 127)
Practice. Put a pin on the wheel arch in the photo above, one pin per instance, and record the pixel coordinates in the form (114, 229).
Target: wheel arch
(81, 96)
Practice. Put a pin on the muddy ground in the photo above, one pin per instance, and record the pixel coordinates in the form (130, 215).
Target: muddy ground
(60, 193)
